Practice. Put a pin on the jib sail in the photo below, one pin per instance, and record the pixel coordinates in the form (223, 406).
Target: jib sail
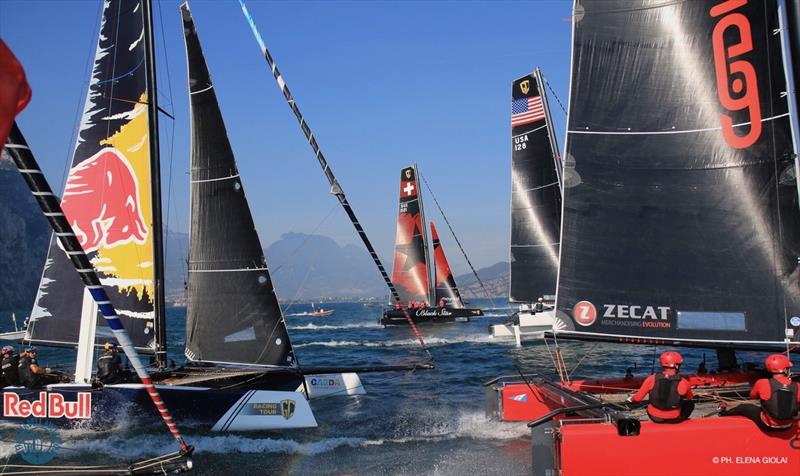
(108, 197)
(233, 314)
(681, 209)
(535, 193)
(410, 271)
(444, 284)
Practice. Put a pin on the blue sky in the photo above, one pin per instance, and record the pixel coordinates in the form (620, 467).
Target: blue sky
(382, 84)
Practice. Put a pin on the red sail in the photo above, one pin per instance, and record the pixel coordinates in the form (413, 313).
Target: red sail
(410, 271)
(446, 290)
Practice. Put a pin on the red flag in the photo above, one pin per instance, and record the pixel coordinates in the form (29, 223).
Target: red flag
(14, 90)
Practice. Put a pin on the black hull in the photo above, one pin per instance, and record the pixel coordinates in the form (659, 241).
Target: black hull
(213, 398)
(429, 315)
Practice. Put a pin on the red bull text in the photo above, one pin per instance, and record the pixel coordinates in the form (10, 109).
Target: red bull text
(48, 405)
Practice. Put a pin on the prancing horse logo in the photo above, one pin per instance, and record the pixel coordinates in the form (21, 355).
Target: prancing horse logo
(525, 86)
(287, 408)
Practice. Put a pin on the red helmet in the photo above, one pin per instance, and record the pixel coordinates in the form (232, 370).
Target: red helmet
(777, 363)
(671, 360)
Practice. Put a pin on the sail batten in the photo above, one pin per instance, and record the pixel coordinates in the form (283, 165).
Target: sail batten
(233, 316)
(681, 221)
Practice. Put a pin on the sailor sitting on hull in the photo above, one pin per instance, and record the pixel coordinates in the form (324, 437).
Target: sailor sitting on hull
(670, 395)
(109, 366)
(30, 374)
(779, 398)
(9, 367)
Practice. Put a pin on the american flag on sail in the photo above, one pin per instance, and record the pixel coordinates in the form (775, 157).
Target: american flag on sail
(526, 110)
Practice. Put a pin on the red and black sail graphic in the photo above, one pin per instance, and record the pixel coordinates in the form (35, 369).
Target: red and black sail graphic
(410, 272)
(444, 284)
(680, 219)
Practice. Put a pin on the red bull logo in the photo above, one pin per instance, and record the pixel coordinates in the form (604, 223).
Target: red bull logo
(48, 405)
(101, 202)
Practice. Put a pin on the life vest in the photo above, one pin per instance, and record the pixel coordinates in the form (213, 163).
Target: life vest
(108, 366)
(664, 394)
(782, 403)
(26, 375)
(10, 371)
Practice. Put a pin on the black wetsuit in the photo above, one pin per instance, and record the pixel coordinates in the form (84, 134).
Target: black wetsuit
(109, 368)
(26, 375)
(10, 370)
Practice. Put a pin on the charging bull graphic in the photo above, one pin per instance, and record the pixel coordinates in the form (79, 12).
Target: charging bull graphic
(101, 202)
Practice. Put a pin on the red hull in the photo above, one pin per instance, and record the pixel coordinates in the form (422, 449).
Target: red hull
(727, 446)
(519, 401)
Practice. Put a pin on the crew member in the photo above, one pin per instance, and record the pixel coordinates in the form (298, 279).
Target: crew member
(397, 307)
(109, 365)
(778, 394)
(670, 395)
(30, 374)
(539, 306)
(441, 303)
(8, 367)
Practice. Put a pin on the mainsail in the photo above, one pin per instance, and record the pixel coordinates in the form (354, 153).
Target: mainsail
(410, 270)
(535, 193)
(108, 197)
(233, 314)
(444, 283)
(681, 205)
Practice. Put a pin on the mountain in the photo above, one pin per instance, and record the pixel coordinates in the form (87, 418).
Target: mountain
(302, 267)
(494, 277)
(24, 235)
(315, 266)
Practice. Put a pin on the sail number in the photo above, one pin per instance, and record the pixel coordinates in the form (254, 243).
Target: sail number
(520, 142)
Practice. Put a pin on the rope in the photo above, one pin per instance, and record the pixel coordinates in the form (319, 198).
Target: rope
(452, 232)
(336, 188)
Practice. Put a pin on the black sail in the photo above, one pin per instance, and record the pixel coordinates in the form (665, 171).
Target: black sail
(681, 210)
(108, 194)
(535, 193)
(233, 314)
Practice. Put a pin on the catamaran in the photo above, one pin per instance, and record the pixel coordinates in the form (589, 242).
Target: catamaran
(535, 211)
(680, 228)
(440, 302)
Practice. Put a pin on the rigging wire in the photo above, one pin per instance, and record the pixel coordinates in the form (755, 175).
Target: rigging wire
(463, 252)
(553, 92)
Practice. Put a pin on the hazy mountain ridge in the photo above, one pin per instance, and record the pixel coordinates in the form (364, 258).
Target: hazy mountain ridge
(24, 235)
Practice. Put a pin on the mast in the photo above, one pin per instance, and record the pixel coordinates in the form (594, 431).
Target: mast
(424, 231)
(155, 191)
(793, 30)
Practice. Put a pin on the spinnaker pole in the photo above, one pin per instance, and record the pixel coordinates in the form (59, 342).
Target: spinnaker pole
(23, 158)
(452, 232)
(336, 189)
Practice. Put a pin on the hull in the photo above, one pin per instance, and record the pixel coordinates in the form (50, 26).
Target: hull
(430, 315)
(199, 406)
(581, 429)
(525, 325)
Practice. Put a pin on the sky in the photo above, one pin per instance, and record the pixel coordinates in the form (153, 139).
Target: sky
(382, 85)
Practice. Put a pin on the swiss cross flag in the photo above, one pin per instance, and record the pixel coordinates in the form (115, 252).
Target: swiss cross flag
(14, 90)
(408, 188)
